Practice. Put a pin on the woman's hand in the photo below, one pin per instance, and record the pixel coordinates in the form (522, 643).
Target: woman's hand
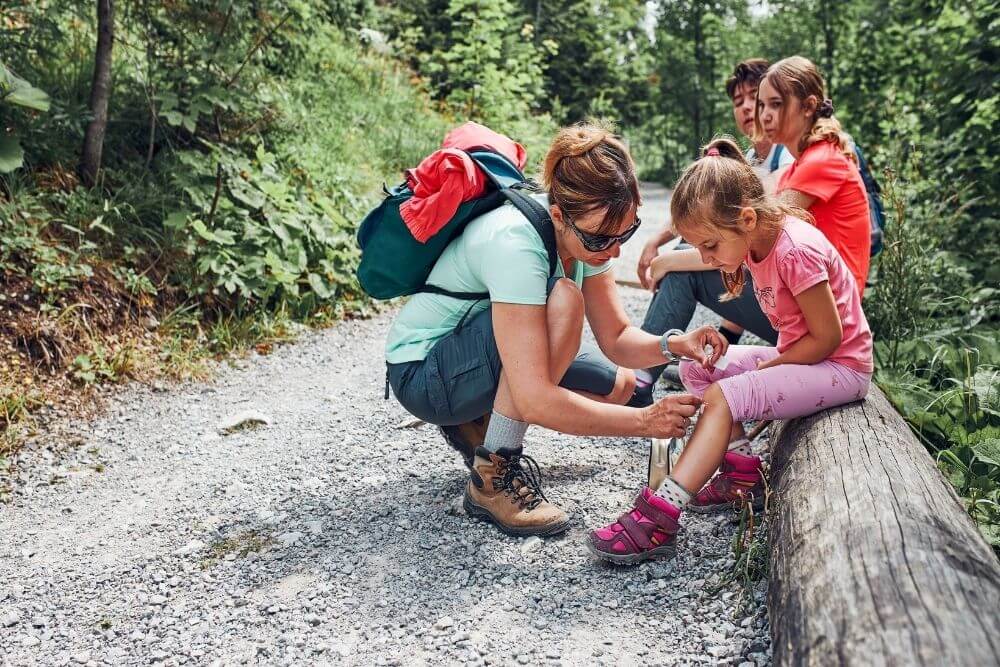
(670, 416)
(692, 345)
(649, 252)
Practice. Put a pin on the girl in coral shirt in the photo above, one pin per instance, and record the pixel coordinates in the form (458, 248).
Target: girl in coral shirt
(793, 109)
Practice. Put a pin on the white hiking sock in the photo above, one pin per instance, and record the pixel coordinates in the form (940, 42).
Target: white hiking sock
(674, 493)
(504, 433)
(643, 377)
(740, 446)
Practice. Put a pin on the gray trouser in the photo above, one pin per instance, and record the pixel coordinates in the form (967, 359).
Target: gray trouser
(458, 379)
(679, 293)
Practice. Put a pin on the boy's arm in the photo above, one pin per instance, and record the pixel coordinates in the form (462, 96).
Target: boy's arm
(649, 252)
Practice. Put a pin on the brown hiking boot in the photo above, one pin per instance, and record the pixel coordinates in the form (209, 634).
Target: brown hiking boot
(466, 438)
(503, 491)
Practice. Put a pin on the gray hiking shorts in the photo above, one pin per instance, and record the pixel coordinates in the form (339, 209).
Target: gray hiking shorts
(457, 381)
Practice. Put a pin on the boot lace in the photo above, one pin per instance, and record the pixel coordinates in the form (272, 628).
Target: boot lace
(521, 478)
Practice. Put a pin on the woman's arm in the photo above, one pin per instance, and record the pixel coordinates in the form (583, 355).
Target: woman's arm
(825, 330)
(630, 346)
(522, 339)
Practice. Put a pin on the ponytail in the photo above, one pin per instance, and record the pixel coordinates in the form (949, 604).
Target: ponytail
(712, 191)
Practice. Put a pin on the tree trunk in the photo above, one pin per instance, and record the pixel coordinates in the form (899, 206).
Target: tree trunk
(698, 56)
(100, 90)
(874, 561)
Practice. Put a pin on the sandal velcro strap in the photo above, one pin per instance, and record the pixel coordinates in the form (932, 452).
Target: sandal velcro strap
(637, 534)
(659, 517)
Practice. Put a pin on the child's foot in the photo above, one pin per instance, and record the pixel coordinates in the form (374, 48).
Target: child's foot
(738, 479)
(646, 531)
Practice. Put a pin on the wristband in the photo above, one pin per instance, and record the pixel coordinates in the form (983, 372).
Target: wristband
(667, 354)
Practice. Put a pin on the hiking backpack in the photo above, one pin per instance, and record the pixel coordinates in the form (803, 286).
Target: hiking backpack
(876, 211)
(394, 263)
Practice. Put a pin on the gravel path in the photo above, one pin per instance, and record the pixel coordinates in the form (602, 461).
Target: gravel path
(330, 536)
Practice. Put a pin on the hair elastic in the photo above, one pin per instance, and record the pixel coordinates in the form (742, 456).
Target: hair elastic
(825, 109)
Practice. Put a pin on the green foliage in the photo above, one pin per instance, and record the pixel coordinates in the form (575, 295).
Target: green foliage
(18, 92)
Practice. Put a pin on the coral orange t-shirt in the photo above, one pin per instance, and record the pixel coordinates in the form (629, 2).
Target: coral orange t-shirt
(841, 203)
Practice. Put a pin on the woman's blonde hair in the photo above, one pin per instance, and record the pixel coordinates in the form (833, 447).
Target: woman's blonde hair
(714, 189)
(798, 77)
(588, 168)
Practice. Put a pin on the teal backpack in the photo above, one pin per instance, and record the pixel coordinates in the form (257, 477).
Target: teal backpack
(393, 263)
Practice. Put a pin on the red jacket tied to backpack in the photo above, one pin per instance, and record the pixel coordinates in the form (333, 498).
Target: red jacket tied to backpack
(448, 177)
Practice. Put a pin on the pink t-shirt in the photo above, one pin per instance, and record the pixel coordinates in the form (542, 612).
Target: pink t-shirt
(801, 258)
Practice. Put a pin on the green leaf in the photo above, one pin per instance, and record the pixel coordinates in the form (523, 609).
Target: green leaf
(316, 282)
(988, 450)
(11, 154)
(15, 90)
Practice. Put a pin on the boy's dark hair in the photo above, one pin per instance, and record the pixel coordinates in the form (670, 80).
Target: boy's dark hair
(750, 71)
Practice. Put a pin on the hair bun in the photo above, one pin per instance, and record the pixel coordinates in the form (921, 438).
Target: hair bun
(585, 139)
(825, 108)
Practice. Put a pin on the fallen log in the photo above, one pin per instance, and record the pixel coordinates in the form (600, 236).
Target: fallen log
(874, 561)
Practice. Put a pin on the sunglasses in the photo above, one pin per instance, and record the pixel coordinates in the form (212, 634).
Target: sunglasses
(599, 242)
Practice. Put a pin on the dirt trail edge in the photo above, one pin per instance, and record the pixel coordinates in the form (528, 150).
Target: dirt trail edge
(330, 536)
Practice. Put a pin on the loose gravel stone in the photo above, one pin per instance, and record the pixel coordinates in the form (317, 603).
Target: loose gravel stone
(333, 537)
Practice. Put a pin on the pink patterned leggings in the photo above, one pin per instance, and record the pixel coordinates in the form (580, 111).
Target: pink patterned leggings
(779, 392)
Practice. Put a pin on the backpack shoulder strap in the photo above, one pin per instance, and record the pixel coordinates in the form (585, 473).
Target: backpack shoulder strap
(539, 218)
(776, 160)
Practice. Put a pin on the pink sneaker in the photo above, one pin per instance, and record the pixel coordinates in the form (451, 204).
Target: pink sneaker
(738, 479)
(646, 531)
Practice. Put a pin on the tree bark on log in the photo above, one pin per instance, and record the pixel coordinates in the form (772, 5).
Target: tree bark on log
(100, 91)
(874, 561)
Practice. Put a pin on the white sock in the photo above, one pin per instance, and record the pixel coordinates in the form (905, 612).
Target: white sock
(674, 493)
(741, 446)
(643, 377)
(504, 433)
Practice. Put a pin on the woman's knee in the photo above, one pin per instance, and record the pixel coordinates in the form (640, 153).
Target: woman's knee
(565, 299)
(624, 387)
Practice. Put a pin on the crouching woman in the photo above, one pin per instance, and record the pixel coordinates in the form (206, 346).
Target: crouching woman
(517, 359)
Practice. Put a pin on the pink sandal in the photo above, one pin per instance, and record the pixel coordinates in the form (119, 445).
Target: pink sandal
(646, 531)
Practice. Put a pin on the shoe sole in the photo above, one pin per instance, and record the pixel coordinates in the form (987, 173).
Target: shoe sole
(757, 504)
(481, 513)
(665, 551)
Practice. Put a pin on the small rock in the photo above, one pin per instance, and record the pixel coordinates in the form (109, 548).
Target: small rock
(9, 618)
(157, 599)
(290, 538)
(530, 544)
(411, 422)
(189, 548)
(81, 658)
(243, 420)
(717, 651)
(444, 623)
(30, 640)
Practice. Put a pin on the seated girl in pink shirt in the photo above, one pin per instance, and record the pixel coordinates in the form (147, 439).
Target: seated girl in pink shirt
(823, 357)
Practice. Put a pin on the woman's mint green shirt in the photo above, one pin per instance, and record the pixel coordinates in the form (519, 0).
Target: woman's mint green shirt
(500, 253)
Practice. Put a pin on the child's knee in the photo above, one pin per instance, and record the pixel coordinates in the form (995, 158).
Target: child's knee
(715, 401)
(693, 375)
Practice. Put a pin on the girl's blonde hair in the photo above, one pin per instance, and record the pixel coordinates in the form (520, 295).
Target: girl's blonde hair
(714, 189)
(587, 168)
(798, 77)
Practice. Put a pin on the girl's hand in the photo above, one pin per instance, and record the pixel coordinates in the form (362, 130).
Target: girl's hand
(693, 344)
(761, 364)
